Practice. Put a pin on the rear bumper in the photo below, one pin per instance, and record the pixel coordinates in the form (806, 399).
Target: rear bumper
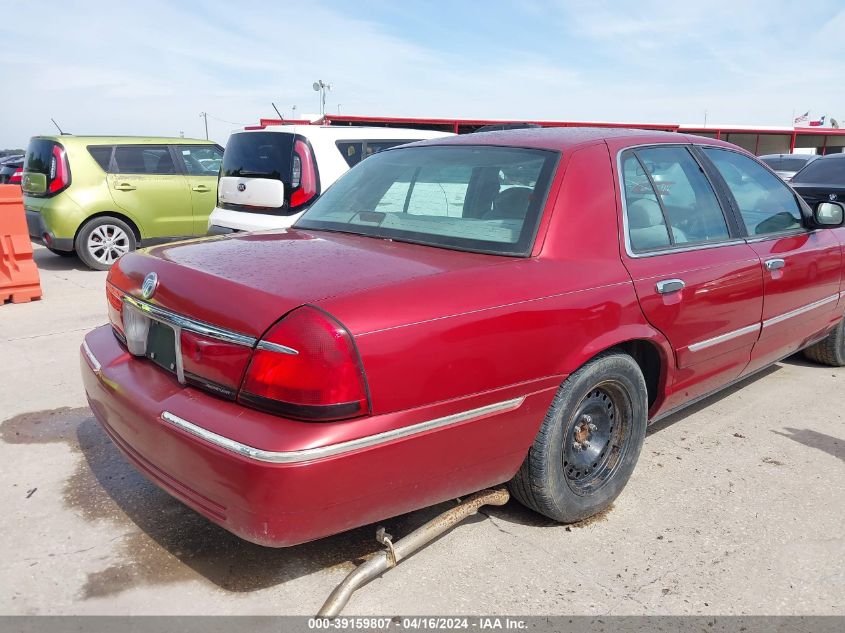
(281, 482)
(245, 221)
(39, 233)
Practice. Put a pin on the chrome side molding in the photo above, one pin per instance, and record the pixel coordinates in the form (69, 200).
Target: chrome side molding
(308, 454)
(799, 311)
(95, 364)
(727, 336)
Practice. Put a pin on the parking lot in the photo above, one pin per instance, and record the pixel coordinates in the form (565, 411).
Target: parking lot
(736, 507)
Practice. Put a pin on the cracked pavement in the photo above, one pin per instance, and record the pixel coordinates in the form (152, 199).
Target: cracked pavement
(736, 507)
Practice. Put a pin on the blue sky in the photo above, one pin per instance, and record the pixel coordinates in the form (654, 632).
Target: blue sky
(150, 67)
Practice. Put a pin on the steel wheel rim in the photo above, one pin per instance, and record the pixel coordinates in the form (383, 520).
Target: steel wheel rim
(107, 242)
(596, 438)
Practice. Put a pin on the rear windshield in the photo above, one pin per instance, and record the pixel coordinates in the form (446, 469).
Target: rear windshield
(476, 198)
(259, 155)
(826, 171)
(39, 156)
(792, 164)
(785, 163)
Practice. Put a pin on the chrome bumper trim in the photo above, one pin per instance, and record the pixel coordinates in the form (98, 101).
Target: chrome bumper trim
(92, 360)
(799, 311)
(727, 336)
(308, 454)
(275, 347)
(191, 325)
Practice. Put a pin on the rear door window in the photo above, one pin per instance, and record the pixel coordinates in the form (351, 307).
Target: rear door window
(765, 202)
(143, 159)
(669, 201)
(259, 155)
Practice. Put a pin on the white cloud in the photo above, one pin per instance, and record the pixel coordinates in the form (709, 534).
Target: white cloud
(101, 67)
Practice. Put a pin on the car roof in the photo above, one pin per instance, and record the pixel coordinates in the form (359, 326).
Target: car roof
(804, 156)
(567, 138)
(123, 140)
(350, 132)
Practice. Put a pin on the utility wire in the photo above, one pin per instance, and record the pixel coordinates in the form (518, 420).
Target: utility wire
(211, 116)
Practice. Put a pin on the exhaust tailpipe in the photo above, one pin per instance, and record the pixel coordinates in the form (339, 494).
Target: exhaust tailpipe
(402, 549)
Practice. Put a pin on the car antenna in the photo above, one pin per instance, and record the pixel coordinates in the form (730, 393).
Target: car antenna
(277, 111)
(57, 127)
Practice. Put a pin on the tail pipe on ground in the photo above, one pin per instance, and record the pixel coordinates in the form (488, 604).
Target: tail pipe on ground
(416, 540)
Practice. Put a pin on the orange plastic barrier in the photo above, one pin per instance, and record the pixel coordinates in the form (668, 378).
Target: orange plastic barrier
(18, 274)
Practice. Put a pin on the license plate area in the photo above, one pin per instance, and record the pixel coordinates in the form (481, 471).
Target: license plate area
(155, 340)
(161, 346)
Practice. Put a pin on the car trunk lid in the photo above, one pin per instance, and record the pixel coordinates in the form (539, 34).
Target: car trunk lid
(246, 282)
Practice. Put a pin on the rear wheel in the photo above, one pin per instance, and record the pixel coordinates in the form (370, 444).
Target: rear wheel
(831, 349)
(102, 240)
(589, 442)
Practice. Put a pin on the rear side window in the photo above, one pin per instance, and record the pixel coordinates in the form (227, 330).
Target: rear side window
(823, 171)
(259, 155)
(356, 151)
(765, 203)
(143, 159)
(669, 201)
(201, 160)
(352, 151)
(101, 154)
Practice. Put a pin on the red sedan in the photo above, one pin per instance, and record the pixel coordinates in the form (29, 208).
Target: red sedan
(502, 307)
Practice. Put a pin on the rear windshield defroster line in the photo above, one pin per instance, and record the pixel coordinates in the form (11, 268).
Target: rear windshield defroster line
(479, 198)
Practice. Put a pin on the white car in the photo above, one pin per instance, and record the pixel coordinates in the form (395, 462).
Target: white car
(269, 176)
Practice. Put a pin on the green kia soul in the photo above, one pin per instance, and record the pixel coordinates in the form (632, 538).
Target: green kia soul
(99, 197)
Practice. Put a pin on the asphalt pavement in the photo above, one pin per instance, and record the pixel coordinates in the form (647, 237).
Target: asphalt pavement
(737, 506)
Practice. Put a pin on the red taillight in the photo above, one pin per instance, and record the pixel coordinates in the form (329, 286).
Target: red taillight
(303, 175)
(214, 365)
(15, 179)
(323, 380)
(59, 176)
(114, 299)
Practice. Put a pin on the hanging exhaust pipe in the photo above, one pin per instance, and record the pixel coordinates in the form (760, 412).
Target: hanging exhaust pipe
(402, 549)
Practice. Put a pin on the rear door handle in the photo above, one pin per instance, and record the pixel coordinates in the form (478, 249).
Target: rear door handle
(668, 286)
(201, 188)
(125, 186)
(775, 264)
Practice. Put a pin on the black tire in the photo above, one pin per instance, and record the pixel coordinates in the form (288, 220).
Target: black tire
(609, 396)
(102, 240)
(831, 349)
(62, 253)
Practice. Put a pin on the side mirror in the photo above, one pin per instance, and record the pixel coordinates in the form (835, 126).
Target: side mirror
(829, 214)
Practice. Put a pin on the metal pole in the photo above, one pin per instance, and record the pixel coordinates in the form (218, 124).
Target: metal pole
(403, 548)
(204, 116)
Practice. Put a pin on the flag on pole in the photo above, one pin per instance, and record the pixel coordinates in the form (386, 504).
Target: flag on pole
(802, 119)
(818, 123)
